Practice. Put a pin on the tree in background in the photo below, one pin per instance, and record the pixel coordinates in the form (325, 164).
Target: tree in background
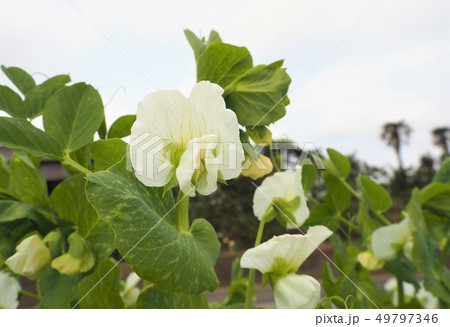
(441, 138)
(395, 135)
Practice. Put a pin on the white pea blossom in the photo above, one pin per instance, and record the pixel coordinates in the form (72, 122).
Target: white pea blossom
(287, 187)
(130, 292)
(31, 257)
(423, 296)
(190, 140)
(10, 288)
(389, 241)
(280, 258)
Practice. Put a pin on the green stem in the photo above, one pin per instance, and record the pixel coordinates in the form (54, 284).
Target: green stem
(443, 257)
(313, 200)
(72, 163)
(251, 272)
(29, 294)
(361, 199)
(274, 161)
(182, 212)
(401, 293)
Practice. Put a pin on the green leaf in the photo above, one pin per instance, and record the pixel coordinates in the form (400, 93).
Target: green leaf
(153, 298)
(404, 270)
(338, 165)
(36, 99)
(18, 133)
(424, 251)
(58, 80)
(100, 290)
(13, 210)
(337, 197)
(322, 214)
(101, 240)
(11, 102)
(376, 195)
(199, 45)
(155, 250)
(70, 202)
(222, 63)
(21, 79)
(4, 174)
(73, 115)
(26, 182)
(59, 291)
(260, 134)
(257, 96)
(443, 174)
(309, 177)
(121, 127)
(107, 153)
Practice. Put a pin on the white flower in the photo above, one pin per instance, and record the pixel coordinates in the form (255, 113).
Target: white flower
(130, 292)
(389, 241)
(280, 258)
(10, 288)
(193, 140)
(296, 292)
(282, 187)
(425, 298)
(31, 258)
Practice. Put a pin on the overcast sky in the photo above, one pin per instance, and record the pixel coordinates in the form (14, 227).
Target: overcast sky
(394, 64)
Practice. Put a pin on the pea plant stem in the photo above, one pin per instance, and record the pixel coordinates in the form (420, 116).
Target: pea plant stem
(182, 212)
(29, 294)
(274, 159)
(361, 199)
(251, 272)
(401, 293)
(72, 163)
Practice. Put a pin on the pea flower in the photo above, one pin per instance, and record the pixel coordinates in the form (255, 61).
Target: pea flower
(31, 258)
(130, 292)
(280, 258)
(427, 299)
(389, 241)
(369, 261)
(191, 141)
(281, 195)
(10, 289)
(78, 259)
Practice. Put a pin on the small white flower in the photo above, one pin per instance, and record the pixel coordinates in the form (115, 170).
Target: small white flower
(31, 258)
(389, 241)
(280, 258)
(194, 140)
(425, 298)
(10, 288)
(287, 187)
(130, 291)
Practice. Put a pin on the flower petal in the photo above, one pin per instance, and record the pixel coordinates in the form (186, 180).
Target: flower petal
(286, 253)
(297, 292)
(10, 288)
(387, 241)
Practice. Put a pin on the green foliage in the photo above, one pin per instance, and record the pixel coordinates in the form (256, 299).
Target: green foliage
(443, 174)
(101, 289)
(376, 195)
(18, 133)
(106, 153)
(121, 127)
(21, 79)
(257, 94)
(338, 165)
(72, 115)
(172, 260)
(154, 298)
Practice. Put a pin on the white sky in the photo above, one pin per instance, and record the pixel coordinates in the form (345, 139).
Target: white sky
(394, 65)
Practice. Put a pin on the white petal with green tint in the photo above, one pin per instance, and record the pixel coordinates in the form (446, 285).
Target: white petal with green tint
(168, 126)
(296, 292)
(286, 253)
(388, 241)
(286, 185)
(31, 258)
(10, 288)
